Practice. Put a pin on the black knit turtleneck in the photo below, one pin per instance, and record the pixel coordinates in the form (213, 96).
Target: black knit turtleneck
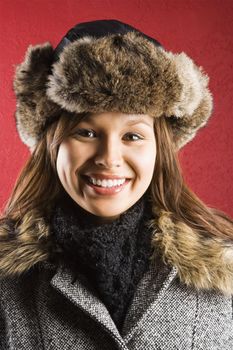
(114, 256)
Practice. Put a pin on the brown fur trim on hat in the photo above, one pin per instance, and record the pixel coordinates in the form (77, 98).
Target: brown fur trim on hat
(120, 73)
(33, 106)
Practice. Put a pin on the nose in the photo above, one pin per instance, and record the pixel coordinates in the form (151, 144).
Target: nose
(109, 154)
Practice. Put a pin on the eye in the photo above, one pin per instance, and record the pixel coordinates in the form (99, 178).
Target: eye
(130, 136)
(88, 133)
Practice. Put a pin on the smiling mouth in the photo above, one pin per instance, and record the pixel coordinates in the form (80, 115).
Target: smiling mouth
(90, 181)
(106, 187)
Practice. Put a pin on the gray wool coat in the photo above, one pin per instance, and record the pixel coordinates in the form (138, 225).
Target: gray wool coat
(183, 302)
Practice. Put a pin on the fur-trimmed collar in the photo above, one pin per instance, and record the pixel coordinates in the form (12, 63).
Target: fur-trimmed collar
(202, 261)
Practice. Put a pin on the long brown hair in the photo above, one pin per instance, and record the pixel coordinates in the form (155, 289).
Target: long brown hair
(38, 186)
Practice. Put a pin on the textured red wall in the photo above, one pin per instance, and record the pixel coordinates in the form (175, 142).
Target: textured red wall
(202, 29)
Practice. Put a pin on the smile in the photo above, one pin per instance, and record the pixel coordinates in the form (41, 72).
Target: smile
(106, 182)
(106, 186)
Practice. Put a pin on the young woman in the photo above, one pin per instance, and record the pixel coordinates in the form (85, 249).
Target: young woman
(103, 245)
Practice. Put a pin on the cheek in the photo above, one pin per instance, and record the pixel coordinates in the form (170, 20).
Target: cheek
(65, 159)
(143, 162)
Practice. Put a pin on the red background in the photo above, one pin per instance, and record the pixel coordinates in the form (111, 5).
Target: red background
(202, 29)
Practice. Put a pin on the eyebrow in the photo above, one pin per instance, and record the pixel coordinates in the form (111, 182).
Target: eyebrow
(138, 121)
(131, 121)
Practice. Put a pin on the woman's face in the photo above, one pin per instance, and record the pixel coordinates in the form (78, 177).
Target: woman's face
(107, 163)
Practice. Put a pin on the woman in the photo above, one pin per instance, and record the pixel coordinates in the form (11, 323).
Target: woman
(103, 245)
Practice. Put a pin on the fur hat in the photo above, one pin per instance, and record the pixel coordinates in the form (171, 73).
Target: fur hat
(107, 65)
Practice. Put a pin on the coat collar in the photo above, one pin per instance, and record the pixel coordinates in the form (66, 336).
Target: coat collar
(150, 290)
(202, 261)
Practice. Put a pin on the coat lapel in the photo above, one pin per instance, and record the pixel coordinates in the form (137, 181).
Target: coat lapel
(85, 297)
(150, 290)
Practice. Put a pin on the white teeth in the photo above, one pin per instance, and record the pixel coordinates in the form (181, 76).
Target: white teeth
(98, 182)
(106, 183)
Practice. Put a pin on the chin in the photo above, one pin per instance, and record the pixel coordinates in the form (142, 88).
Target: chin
(107, 214)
